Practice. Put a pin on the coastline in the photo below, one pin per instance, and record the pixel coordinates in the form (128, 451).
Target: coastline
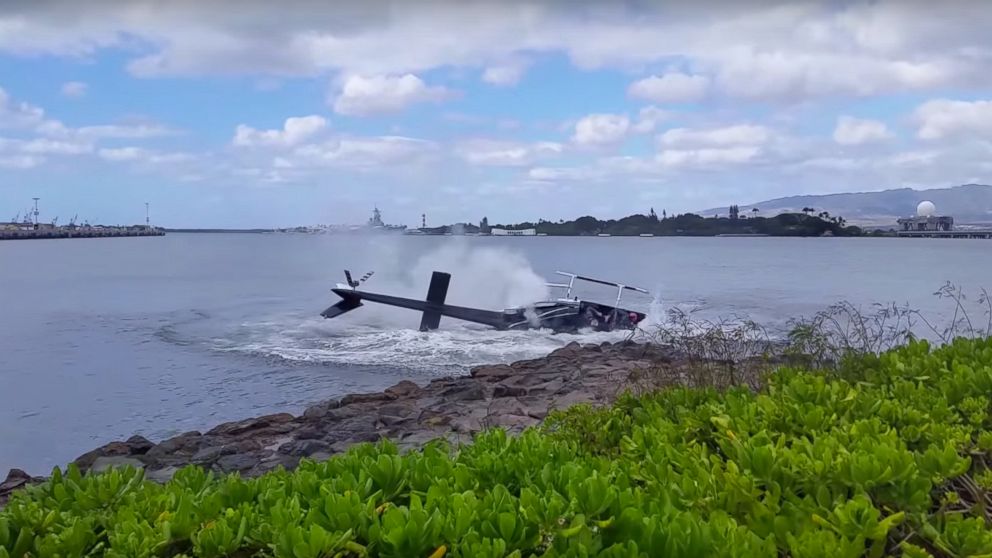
(513, 396)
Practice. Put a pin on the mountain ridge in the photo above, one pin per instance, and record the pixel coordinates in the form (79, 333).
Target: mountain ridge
(967, 203)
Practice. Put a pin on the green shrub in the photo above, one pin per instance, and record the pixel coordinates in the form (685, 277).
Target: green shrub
(885, 455)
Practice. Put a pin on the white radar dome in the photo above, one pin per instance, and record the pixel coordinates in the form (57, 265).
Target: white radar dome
(926, 209)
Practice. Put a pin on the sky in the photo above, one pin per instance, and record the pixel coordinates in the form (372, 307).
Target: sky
(263, 114)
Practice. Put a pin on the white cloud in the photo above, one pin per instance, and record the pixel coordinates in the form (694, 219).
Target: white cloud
(942, 118)
(648, 119)
(504, 153)
(362, 96)
(20, 161)
(141, 155)
(295, 130)
(856, 131)
(674, 87)
(74, 89)
(123, 131)
(782, 51)
(47, 146)
(708, 156)
(601, 130)
(736, 135)
(505, 74)
(14, 114)
(368, 152)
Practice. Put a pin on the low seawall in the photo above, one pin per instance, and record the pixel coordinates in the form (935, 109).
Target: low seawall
(513, 396)
(77, 233)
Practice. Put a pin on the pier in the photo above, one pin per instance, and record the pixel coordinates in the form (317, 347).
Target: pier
(21, 232)
(31, 228)
(957, 233)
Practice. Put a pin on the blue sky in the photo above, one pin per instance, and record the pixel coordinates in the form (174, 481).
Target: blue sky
(296, 114)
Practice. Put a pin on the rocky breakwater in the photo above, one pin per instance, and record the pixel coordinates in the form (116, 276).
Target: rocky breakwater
(513, 396)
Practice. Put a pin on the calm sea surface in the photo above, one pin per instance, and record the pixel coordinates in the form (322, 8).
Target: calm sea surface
(104, 338)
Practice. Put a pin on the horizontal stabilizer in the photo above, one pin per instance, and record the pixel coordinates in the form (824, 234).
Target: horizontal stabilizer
(347, 304)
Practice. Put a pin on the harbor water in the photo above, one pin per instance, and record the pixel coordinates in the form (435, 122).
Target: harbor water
(104, 338)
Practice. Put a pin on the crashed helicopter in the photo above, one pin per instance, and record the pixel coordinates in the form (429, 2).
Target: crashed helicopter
(564, 314)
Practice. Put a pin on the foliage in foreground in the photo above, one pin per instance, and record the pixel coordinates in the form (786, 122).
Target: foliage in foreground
(887, 455)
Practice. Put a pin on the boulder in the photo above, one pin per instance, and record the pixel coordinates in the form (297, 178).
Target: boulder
(503, 390)
(187, 442)
(161, 476)
(321, 409)
(404, 389)
(492, 373)
(363, 398)
(276, 423)
(139, 445)
(16, 478)
(303, 448)
(238, 462)
(103, 463)
(85, 461)
(463, 392)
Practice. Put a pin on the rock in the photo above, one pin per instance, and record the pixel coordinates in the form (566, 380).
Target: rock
(309, 433)
(303, 448)
(16, 478)
(288, 462)
(208, 455)
(364, 398)
(464, 392)
(572, 398)
(161, 476)
(238, 462)
(321, 409)
(572, 350)
(547, 388)
(272, 423)
(395, 413)
(503, 390)
(512, 396)
(320, 456)
(139, 445)
(188, 442)
(496, 372)
(404, 389)
(103, 463)
(85, 461)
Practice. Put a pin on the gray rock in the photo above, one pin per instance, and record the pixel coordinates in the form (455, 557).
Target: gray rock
(309, 433)
(513, 396)
(210, 454)
(103, 463)
(463, 392)
(85, 461)
(404, 389)
(502, 390)
(272, 423)
(303, 448)
(492, 373)
(363, 398)
(188, 441)
(238, 462)
(395, 413)
(161, 476)
(139, 445)
(288, 462)
(321, 409)
(320, 456)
